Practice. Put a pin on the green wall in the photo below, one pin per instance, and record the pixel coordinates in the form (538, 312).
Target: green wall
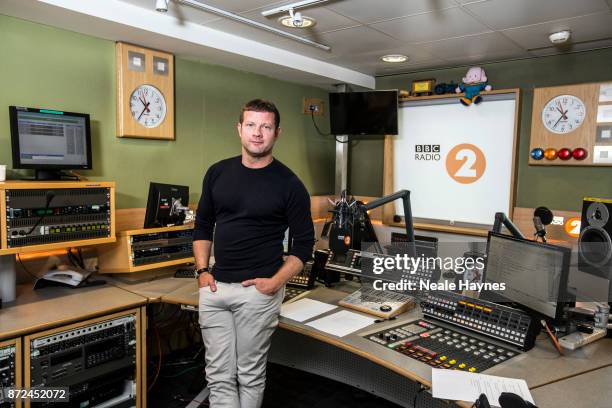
(48, 67)
(559, 188)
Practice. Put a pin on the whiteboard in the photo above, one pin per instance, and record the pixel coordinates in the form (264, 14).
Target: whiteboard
(456, 161)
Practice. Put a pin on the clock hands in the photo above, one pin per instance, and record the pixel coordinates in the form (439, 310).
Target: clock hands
(146, 106)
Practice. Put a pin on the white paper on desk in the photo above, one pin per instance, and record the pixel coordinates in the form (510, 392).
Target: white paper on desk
(342, 323)
(304, 309)
(465, 386)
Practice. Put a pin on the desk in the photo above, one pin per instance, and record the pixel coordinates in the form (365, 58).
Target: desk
(37, 310)
(153, 290)
(357, 361)
(592, 389)
(351, 359)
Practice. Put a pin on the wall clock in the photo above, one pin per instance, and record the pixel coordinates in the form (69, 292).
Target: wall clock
(563, 114)
(571, 125)
(145, 92)
(148, 106)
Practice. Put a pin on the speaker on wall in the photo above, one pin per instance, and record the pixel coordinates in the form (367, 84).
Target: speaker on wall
(595, 240)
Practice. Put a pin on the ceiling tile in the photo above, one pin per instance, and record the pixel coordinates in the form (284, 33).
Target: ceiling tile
(357, 40)
(487, 58)
(585, 28)
(501, 14)
(432, 26)
(415, 55)
(247, 31)
(481, 44)
(368, 11)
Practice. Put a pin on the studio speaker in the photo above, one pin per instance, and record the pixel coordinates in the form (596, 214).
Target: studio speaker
(595, 242)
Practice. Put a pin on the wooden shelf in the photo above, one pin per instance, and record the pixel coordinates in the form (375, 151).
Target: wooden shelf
(118, 256)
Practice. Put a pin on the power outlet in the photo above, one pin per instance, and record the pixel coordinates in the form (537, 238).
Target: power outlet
(313, 106)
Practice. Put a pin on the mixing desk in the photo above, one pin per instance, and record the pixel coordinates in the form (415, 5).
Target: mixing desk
(442, 347)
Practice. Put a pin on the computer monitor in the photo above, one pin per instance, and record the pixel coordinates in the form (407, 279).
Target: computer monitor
(426, 247)
(535, 274)
(166, 205)
(49, 141)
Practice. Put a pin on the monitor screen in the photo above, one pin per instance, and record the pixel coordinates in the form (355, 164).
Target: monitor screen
(363, 113)
(165, 205)
(49, 139)
(535, 274)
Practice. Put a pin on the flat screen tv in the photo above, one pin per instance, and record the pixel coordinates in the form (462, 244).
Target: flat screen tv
(363, 113)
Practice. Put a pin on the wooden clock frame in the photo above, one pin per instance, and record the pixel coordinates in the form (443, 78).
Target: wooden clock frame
(138, 66)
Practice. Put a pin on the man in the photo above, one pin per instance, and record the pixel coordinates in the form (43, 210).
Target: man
(248, 201)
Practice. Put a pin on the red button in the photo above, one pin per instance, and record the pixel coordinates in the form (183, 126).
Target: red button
(579, 154)
(564, 153)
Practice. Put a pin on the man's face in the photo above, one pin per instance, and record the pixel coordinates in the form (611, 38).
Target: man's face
(258, 133)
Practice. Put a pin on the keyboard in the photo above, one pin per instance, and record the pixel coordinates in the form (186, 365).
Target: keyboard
(293, 292)
(185, 273)
(379, 303)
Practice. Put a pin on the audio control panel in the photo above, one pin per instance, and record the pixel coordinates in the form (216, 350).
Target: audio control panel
(161, 247)
(500, 322)
(8, 370)
(39, 216)
(442, 347)
(96, 361)
(362, 263)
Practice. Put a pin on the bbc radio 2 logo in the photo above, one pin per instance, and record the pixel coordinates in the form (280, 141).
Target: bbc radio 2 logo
(465, 163)
(427, 152)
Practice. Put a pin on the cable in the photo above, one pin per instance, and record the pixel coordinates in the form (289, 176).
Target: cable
(49, 196)
(26, 269)
(417, 395)
(159, 362)
(325, 134)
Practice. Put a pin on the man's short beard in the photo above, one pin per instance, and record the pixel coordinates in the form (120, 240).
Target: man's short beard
(256, 155)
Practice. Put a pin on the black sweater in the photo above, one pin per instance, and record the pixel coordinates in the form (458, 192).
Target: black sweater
(249, 210)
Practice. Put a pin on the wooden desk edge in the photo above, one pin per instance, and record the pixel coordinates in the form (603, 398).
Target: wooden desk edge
(58, 323)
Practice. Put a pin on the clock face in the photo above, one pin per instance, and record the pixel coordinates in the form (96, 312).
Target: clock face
(563, 114)
(148, 106)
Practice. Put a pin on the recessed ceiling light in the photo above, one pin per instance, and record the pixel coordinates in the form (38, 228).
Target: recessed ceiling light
(297, 20)
(560, 37)
(394, 58)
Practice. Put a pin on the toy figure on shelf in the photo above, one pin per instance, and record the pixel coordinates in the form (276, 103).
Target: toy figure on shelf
(475, 80)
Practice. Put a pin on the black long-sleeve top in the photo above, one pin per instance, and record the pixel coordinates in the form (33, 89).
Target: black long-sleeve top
(245, 212)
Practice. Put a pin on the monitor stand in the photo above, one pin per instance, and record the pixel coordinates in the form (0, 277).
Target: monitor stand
(50, 175)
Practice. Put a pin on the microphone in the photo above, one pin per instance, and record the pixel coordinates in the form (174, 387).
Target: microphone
(539, 228)
(542, 216)
(546, 216)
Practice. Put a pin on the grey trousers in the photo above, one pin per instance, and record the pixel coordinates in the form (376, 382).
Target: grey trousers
(237, 323)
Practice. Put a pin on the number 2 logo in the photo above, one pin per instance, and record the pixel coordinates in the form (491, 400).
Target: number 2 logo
(572, 227)
(465, 163)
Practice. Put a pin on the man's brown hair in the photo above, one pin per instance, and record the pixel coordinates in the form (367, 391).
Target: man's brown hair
(261, 105)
